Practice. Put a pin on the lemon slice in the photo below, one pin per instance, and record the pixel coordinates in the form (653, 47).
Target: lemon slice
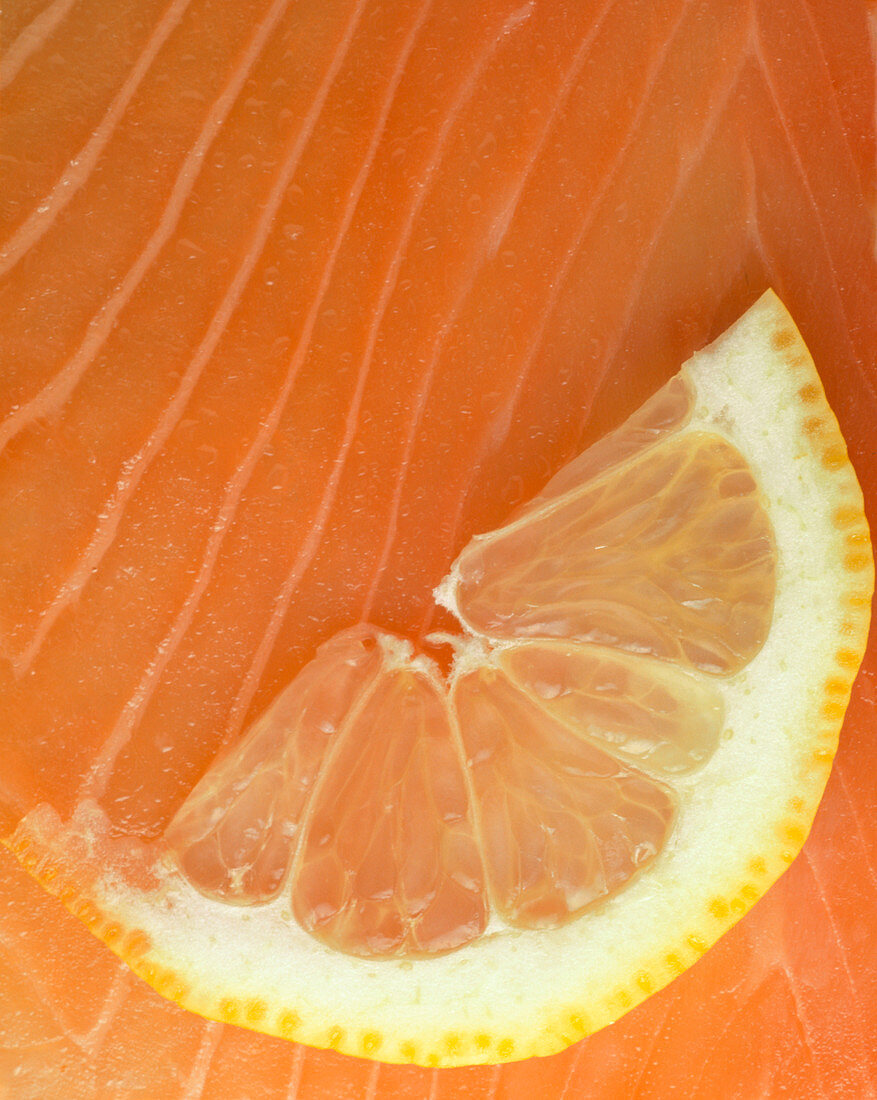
(630, 746)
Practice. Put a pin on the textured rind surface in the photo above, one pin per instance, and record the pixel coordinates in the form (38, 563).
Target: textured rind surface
(524, 994)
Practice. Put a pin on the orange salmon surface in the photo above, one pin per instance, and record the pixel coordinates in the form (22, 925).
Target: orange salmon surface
(297, 298)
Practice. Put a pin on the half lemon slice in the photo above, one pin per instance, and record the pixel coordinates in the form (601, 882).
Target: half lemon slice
(629, 748)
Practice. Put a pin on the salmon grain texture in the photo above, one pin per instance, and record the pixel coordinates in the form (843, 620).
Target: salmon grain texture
(294, 299)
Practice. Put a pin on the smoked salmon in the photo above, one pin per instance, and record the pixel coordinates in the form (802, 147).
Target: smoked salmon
(294, 299)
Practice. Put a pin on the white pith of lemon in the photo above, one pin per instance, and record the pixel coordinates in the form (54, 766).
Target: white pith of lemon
(742, 817)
